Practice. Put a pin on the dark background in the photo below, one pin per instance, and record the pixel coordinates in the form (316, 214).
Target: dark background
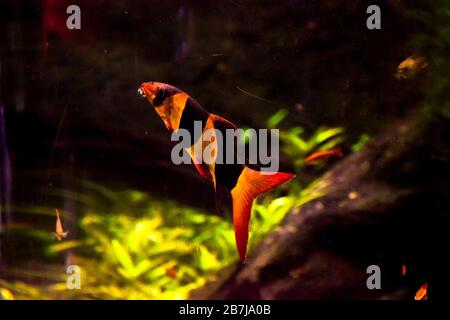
(70, 99)
(69, 103)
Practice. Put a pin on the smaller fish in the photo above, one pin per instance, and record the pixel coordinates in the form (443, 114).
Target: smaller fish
(410, 67)
(323, 154)
(59, 232)
(422, 293)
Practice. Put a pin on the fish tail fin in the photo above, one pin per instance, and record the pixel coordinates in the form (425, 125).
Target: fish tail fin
(250, 184)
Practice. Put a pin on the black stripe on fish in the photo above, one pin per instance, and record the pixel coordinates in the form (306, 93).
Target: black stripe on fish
(193, 112)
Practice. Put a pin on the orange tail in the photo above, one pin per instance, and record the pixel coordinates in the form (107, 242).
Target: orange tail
(250, 184)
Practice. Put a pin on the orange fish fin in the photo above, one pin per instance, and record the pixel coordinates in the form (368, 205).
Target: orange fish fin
(421, 294)
(250, 184)
(242, 207)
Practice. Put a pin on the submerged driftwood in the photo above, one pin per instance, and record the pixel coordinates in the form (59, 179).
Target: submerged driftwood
(385, 205)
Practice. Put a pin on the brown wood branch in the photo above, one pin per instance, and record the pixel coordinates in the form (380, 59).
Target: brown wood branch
(375, 210)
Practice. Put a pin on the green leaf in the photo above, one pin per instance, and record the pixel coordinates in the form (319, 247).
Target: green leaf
(277, 118)
(122, 255)
(330, 144)
(207, 260)
(358, 145)
(323, 135)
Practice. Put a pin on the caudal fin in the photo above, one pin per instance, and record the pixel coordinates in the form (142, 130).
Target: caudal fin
(250, 184)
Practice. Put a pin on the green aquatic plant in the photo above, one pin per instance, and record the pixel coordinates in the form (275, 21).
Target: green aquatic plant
(296, 144)
(143, 248)
(361, 142)
(131, 245)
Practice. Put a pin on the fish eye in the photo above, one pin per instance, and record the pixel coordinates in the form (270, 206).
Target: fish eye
(161, 95)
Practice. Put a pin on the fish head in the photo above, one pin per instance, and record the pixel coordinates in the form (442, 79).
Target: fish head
(167, 101)
(410, 67)
(157, 92)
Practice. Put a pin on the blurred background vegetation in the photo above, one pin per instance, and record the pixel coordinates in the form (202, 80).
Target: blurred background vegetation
(134, 246)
